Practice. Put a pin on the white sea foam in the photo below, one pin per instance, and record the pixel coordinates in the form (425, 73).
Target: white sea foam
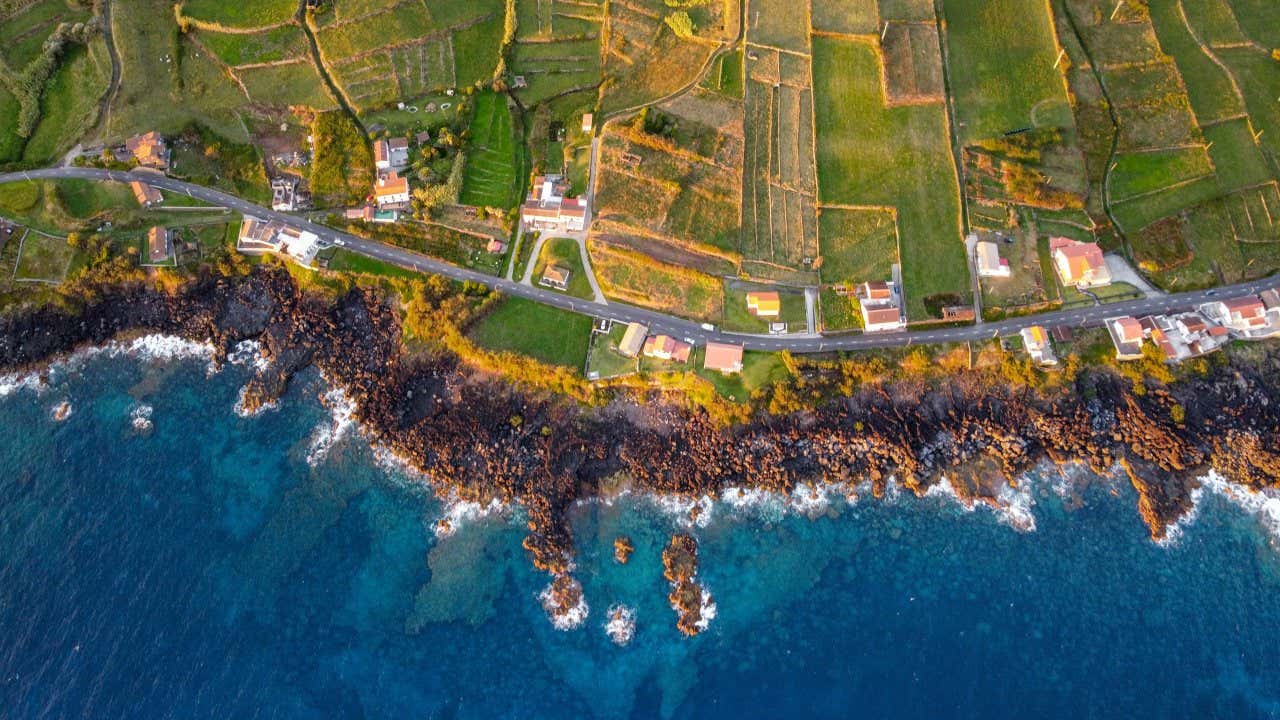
(1264, 505)
(944, 490)
(707, 609)
(460, 512)
(569, 619)
(688, 512)
(163, 347)
(342, 410)
(621, 625)
(140, 418)
(10, 384)
(245, 412)
(249, 354)
(1014, 507)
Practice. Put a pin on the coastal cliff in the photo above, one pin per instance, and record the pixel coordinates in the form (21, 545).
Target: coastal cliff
(453, 423)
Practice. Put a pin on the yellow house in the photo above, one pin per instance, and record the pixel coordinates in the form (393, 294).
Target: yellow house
(764, 304)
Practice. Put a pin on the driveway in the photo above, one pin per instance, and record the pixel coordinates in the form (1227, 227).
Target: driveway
(1122, 271)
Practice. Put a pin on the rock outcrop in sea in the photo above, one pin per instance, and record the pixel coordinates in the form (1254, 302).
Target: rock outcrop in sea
(451, 422)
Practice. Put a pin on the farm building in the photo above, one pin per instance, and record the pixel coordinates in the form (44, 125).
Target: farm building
(159, 245)
(989, 262)
(633, 339)
(665, 347)
(547, 208)
(764, 304)
(146, 195)
(1079, 264)
(723, 358)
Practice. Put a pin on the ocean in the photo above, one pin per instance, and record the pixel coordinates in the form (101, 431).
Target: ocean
(162, 556)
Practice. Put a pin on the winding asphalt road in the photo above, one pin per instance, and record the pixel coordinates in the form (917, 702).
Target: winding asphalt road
(658, 322)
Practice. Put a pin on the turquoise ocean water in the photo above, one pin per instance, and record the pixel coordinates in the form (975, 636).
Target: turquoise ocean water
(204, 568)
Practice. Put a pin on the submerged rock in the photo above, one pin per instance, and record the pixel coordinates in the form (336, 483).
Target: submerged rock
(622, 549)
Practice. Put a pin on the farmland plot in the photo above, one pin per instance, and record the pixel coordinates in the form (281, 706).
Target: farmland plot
(872, 155)
(644, 60)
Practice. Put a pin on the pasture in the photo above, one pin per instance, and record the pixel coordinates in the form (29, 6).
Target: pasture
(853, 17)
(273, 45)
(495, 159)
(256, 14)
(25, 31)
(857, 244)
(638, 279)
(900, 157)
(985, 38)
(287, 85)
(69, 103)
(43, 258)
(554, 336)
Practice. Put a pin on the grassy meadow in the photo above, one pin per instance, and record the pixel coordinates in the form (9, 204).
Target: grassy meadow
(893, 157)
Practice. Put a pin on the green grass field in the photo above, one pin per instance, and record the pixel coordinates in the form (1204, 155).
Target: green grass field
(857, 17)
(542, 332)
(259, 13)
(1236, 157)
(286, 41)
(349, 262)
(872, 155)
(10, 143)
(565, 253)
(287, 85)
(1141, 173)
(857, 245)
(43, 257)
(985, 39)
(69, 104)
(1208, 87)
(159, 93)
(26, 31)
(475, 50)
(604, 360)
(494, 160)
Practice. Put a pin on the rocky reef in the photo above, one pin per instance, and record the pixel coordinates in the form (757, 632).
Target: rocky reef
(453, 423)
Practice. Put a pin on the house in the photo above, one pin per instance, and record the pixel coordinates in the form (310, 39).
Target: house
(588, 122)
(284, 193)
(723, 358)
(1079, 264)
(989, 262)
(665, 347)
(259, 237)
(398, 149)
(547, 208)
(764, 304)
(633, 339)
(495, 246)
(391, 191)
(1126, 335)
(381, 155)
(146, 195)
(149, 149)
(1036, 340)
(159, 245)
(1247, 316)
(881, 306)
(422, 138)
(1183, 336)
(556, 276)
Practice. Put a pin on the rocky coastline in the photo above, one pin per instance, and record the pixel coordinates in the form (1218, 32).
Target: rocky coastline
(452, 423)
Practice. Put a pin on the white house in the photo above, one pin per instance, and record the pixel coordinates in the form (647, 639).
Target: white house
(989, 262)
(258, 237)
(391, 191)
(1079, 264)
(1246, 317)
(881, 306)
(547, 208)
(1036, 340)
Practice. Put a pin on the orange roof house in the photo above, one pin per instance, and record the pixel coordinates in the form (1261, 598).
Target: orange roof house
(723, 358)
(1126, 335)
(158, 246)
(1079, 264)
(145, 194)
(764, 304)
(875, 290)
(391, 189)
(665, 347)
(149, 150)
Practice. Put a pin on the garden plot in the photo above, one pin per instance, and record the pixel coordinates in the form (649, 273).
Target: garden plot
(424, 67)
(494, 160)
(895, 158)
(274, 45)
(43, 258)
(1254, 214)
(673, 173)
(912, 67)
(257, 14)
(779, 176)
(644, 60)
(368, 81)
(847, 17)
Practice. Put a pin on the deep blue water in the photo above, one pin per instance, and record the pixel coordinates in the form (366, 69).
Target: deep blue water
(205, 570)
